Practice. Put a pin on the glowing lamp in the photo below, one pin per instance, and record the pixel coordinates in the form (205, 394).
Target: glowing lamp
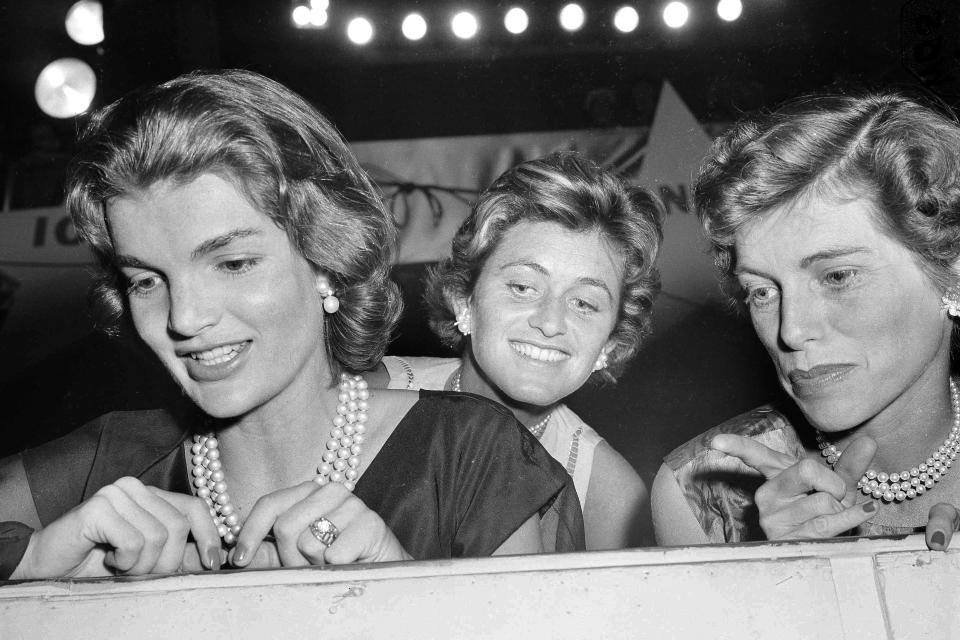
(65, 88)
(84, 22)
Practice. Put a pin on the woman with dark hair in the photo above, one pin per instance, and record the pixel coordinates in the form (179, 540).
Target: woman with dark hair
(239, 237)
(836, 220)
(550, 284)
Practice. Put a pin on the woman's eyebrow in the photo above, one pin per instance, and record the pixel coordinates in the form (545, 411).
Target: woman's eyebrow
(600, 284)
(221, 241)
(826, 254)
(829, 254)
(523, 263)
(121, 261)
(594, 282)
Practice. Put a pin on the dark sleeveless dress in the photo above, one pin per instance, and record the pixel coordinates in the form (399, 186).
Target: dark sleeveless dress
(455, 479)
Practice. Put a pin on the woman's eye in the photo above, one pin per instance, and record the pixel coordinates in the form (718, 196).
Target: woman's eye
(144, 285)
(839, 278)
(584, 305)
(520, 288)
(238, 265)
(761, 296)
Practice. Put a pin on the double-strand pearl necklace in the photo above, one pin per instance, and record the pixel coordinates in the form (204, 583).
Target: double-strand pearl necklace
(537, 429)
(340, 460)
(906, 485)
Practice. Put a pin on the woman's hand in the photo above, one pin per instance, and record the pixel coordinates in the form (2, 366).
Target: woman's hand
(805, 499)
(127, 528)
(943, 520)
(363, 536)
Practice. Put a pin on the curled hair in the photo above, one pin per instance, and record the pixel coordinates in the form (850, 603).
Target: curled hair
(903, 156)
(567, 189)
(287, 160)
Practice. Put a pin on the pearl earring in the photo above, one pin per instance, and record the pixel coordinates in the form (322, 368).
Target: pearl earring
(951, 301)
(330, 302)
(463, 322)
(602, 362)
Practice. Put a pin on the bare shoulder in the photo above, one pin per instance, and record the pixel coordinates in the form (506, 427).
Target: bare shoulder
(613, 471)
(616, 512)
(16, 500)
(673, 521)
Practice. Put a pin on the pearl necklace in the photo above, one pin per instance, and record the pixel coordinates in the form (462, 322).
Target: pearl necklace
(340, 461)
(537, 429)
(906, 485)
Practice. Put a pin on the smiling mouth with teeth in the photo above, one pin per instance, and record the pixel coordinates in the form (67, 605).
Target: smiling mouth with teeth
(218, 355)
(538, 353)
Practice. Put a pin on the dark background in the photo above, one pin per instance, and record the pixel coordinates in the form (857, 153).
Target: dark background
(707, 368)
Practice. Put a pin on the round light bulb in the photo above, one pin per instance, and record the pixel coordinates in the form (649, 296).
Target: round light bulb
(65, 88)
(729, 10)
(464, 25)
(301, 15)
(572, 17)
(360, 31)
(516, 20)
(84, 22)
(675, 15)
(414, 27)
(626, 19)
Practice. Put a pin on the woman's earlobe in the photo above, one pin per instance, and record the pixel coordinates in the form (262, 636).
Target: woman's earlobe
(603, 360)
(461, 310)
(331, 303)
(462, 323)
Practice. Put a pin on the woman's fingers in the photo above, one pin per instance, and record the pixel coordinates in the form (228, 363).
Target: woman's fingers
(367, 539)
(805, 498)
(152, 530)
(266, 556)
(296, 544)
(754, 454)
(346, 530)
(199, 523)
(340, 526)
(853, 464)
(163, 521)
(830, 525)
(943, 521)
(815, 515)
(71, 546)
(799, 479)
(263, 518)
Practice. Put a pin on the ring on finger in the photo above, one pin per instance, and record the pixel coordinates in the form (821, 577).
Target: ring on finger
(324, 531)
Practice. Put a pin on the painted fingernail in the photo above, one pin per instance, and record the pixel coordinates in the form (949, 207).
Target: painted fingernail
(239, 555)
(213, 558)
(938, 538)
(870, 507)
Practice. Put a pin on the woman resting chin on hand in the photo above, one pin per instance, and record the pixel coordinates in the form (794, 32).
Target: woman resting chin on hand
(837, 221)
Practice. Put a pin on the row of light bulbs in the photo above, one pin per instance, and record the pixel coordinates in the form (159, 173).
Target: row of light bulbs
(465, 24)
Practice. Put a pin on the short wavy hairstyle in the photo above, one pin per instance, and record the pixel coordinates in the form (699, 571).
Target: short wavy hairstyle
(567, 189)
(287, 160)
(899, 152)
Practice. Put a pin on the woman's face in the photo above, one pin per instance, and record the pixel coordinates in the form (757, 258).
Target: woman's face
(854, 326)
(542, 309)
(219, 294)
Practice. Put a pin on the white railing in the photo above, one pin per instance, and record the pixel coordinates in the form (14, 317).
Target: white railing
(854, 588)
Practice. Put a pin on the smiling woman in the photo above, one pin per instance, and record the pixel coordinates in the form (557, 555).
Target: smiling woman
(239, 238)
(835, 220)
(551, 284)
